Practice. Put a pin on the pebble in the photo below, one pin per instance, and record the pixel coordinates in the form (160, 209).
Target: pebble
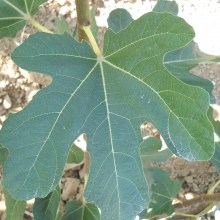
(189, 195)
(185, 172)
(30, 93)
(49, 25)
(64, 10)
(70, 188)
(181, 193)
(211, 169)
(189, 179)
(7, 102)
(2, 93)
(2, 84)
(21, 80)
(2, 112)
(195, 187)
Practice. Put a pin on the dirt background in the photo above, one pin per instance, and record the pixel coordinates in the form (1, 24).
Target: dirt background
(17, 86)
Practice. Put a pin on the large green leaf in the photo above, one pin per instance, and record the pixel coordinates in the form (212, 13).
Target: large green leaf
(14, 15)
(163, 191)
(79, 211)
(181, 61)
(150, 152)
(47, 208)
(107, 98)
(166, 5)
(119, 19)
(14, 209)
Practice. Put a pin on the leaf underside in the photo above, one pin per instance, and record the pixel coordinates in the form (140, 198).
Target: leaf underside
(12, 13)
(76, 155)
(47, 208)
(163, 191)
(149, 151)
(77, 211)
(61, 25)
(107, 98)
(14, 209)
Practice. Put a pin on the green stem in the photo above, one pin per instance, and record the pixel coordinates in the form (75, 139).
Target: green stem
(92, 40)
(187, 215)
(39, 26)
(213, 188)
(83, 18)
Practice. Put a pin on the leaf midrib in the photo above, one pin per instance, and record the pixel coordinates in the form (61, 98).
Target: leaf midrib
(110, 130)
(193, 59)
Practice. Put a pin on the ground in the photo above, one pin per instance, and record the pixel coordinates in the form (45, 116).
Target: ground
(18, 86)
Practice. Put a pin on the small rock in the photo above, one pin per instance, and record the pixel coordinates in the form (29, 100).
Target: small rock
(64, 10)
(30, 94)
(7, 102)
(79, 196)
(70, 188)
(69, 20)
(2, 112)
(2, 93)
(181, 193)
(195, 187)
(185, 172)
(19, 101)
(2, 84)
(49, 25)
(211, 169)
(192, 170)
(189, 179)
(189, 195)
(173, 175)
(34, 77)
(195, 180)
